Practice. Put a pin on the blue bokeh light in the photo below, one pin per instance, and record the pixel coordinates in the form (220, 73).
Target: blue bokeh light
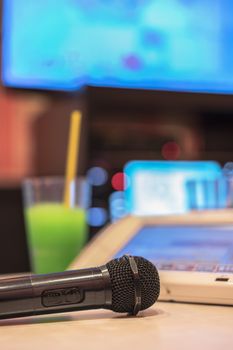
(97, 217)
(117, 205)
(97, 176)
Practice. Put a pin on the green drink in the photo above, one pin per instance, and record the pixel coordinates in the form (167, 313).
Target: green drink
(56, 235)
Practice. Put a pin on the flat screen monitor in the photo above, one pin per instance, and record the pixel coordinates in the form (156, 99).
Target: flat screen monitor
(163, 188)
(177, 45)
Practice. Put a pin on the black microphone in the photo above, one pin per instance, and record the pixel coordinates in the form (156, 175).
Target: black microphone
(127, 284)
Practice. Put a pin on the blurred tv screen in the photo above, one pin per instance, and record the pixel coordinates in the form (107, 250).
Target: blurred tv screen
(177, 45)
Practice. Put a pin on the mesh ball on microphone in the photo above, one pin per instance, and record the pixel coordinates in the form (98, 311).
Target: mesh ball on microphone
(123, 284)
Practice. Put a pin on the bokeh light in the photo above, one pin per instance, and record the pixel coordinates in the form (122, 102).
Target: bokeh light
(228, 169)
(97, 176)
(97, 217)
(171, 150)
(117, 205)
(118, 181)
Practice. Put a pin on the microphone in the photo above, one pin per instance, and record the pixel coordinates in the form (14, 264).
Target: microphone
(127, 284)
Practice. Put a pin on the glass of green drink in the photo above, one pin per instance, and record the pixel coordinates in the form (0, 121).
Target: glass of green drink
(56, 233)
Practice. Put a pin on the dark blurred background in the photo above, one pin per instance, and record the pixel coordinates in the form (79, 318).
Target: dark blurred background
(190, 120)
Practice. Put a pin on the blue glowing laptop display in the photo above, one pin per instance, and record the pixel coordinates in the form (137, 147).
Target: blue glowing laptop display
(153, 44)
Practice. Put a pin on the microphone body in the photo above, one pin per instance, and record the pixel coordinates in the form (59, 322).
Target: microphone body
(58, 292)
(127, 284)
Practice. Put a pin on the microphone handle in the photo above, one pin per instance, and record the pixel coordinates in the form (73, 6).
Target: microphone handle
(58, 292)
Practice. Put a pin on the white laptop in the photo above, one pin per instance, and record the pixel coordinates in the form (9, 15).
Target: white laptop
(193, 253)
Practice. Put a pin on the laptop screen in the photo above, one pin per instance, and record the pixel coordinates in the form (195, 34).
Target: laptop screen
(185, 248)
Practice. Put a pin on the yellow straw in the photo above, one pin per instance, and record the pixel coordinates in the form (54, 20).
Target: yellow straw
(72, 154)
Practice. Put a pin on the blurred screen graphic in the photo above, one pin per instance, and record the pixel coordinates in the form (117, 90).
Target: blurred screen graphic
(178, 45)
(160, 187)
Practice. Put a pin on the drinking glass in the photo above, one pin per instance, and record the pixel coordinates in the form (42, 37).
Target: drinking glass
(56, 233)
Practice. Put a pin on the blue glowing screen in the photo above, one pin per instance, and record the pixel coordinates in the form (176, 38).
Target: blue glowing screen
(161, 187)
(187, 248)
(182, 45)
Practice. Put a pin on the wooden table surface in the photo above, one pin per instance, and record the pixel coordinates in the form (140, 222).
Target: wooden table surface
(164, 326)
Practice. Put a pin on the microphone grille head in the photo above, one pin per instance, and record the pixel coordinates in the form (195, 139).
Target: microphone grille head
(123, 283)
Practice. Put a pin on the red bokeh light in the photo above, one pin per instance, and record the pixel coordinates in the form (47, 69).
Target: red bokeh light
(118, 181)
(171, 150)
